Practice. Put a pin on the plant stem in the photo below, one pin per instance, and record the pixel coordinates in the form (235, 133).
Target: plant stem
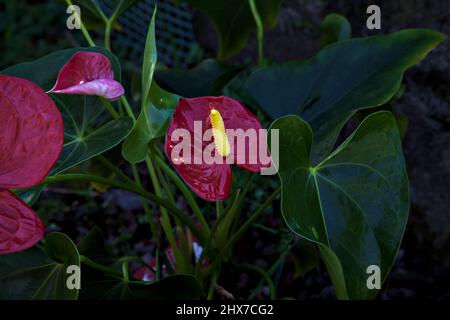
(119, 173)
(146, 208)
(83, 28)
(125, 275)
(264, 274)
(212, 287)
(127, 107)
(110, 108)
(132, 188)
(271, 270)
(186, 193)
(242, 229)
(99, 267)
(260, 31)
(108, 25)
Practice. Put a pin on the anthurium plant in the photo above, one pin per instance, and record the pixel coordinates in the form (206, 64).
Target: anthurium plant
(206, 135)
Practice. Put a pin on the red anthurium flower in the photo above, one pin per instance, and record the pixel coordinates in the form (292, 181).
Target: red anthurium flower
(206, 135)
(88, 73)
(31, 139)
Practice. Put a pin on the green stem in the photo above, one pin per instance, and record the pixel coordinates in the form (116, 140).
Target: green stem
(132, 188)
(119, 173)
(108, 34)
(260, 31)
(110, 108)
(165, 220)
(158, 264)
(127, 107)
(186, 193)
(238, 206)
(270, 272)
(83, 28)
(125, 274)
(264, 274)
(146, 208)
(242, 229)
(212, 287)
(99, 267)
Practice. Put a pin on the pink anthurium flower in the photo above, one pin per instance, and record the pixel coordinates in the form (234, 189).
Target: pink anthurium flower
(31, 139)
(224, 132)
(88, 73)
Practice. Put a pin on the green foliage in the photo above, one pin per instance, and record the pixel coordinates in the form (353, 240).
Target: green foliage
(342, 78)
(86, 136)
(40, 273)
(157, 106)
(96, 284)
(334, 28)
(84, 139)
(234, 21)
(206, 79)
(354, 202)
(44, 71)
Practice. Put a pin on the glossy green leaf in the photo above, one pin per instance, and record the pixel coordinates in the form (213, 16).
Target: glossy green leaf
(334, 28)
(327, 89)
(157, 106)
(44, 71)
(40, 273)
(150, 59)
(84, 138)
(355, 202)
(152, 123)
(234, 20)
(206, 79)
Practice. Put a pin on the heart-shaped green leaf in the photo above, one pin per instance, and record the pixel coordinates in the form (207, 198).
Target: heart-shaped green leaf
(234, 20)
(84, 138)
(44, 71)
(157, 106)
(334, 28)
(327, 89)
(206, 79)
(355, 202)
(40, 273)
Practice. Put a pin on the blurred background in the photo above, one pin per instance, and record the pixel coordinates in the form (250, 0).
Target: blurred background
(30, 29)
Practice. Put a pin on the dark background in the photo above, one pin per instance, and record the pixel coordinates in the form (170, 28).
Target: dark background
(30, 29)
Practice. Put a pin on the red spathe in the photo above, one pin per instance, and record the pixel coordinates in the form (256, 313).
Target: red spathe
(31, 140)
(88, 73)
(212, 182)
